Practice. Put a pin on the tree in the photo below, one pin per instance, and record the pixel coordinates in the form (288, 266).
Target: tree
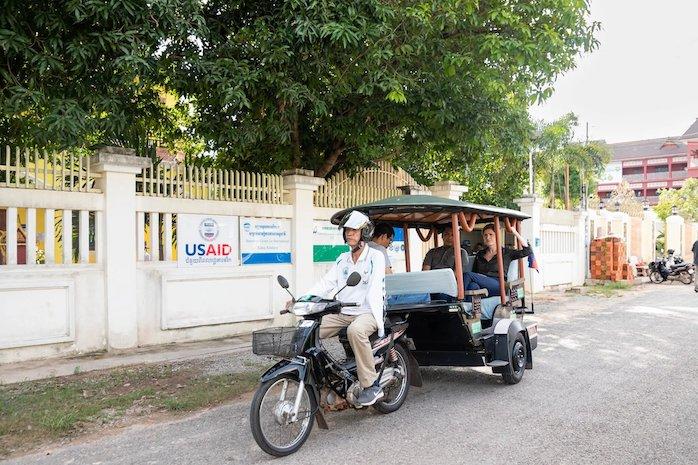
(317, 84)
(559, 160)
(330, 84)
(685, 199)
(75, 73)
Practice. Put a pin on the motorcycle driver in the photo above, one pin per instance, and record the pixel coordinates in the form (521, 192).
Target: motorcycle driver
(369, 295)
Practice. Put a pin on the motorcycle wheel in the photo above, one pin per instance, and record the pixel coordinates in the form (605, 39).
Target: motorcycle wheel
(685, 277)
(394, 395)
(270, 412)
(656, 277)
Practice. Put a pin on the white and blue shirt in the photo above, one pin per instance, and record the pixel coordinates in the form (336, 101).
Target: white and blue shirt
(369, 294)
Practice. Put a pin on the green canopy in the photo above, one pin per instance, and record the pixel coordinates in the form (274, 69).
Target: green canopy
(425, 211)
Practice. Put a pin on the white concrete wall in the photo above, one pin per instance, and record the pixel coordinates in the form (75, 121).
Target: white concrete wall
(51, 311)
(176, 305)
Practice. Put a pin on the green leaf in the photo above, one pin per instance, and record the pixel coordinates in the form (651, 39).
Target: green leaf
(397, 96)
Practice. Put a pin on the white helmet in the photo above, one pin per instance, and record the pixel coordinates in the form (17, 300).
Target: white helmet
(357, 220)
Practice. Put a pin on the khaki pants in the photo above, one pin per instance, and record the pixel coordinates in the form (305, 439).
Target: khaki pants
(359, 328)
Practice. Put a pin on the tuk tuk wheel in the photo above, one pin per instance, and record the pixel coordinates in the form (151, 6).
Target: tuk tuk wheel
(513, 373)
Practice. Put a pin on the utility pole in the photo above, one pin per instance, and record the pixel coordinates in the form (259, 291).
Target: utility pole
(587, 137)
(531, 184)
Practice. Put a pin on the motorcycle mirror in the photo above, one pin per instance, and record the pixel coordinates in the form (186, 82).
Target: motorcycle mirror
(353, 279)
(283, 282)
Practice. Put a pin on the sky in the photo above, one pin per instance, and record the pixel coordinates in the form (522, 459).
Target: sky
(642, 81)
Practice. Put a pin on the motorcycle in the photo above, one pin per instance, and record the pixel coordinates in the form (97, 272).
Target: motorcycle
(680, 271)
(292, 392)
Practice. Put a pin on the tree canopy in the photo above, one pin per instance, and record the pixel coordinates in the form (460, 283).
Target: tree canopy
(75, 73)
(269, 85)
(685, 199)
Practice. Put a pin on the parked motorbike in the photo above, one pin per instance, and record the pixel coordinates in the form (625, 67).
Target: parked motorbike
(293, 391)
(680, 271)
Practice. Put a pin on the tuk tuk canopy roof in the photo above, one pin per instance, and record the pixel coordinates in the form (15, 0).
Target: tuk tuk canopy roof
(425, 211)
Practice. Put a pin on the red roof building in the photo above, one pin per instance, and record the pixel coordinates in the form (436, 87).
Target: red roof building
(652, 164)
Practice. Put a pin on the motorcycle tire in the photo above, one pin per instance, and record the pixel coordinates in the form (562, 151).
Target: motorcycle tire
(258, 428)
(384, 406)
(686, 277)
(656, 277)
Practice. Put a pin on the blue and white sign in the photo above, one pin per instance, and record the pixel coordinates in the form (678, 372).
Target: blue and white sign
(265, 240)
(396, 251)
(207, 240)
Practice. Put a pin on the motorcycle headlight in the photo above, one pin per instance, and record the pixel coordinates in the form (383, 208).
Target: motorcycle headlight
(308, 308)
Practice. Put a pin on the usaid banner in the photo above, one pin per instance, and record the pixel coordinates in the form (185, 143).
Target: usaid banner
(265, 240)
(207, 240)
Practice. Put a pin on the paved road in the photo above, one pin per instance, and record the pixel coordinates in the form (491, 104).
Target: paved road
(615, 381)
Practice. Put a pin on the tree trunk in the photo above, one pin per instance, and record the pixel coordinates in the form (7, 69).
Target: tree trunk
(330, 159)
(568, 205)
(296, 144)
(551, 201)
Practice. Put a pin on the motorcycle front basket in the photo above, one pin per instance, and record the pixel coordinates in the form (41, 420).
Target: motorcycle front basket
(281, 342)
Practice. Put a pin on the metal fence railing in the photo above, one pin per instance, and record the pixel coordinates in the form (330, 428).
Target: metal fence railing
(35, 169)
(191, 182)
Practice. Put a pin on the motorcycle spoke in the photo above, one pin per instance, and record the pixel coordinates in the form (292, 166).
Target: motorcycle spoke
(276, 409)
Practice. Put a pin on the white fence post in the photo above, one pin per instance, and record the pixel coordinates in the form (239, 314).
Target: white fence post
(119, 167)
(674, 233)
(84, 237)
(648, 236)
(448, 189)
(530, 229)
(582, 248)
(11, 242)
(49, 236)
(167, 236)
(301, 184)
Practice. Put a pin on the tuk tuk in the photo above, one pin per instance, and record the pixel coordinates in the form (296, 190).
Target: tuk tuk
(450, 325)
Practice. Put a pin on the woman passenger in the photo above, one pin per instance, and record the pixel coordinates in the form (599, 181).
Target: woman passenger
(485, 274)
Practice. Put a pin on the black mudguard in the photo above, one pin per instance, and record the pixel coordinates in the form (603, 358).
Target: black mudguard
(301, 371)
(415, 377)
(505, 333)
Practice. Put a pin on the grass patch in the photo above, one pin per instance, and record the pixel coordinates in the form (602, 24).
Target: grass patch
(37, 412)
(609, 289)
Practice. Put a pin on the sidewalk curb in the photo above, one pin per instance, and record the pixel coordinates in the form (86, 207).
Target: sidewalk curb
(178, 352)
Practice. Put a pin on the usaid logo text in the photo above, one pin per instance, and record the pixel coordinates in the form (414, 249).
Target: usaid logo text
(210, 250)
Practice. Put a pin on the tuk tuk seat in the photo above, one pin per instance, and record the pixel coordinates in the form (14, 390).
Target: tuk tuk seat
(416, 282)
(489, 304)
(415, 287)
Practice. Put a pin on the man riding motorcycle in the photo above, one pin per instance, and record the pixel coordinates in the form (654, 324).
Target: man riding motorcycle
(366, 317)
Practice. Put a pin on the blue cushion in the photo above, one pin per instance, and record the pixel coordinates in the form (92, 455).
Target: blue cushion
(408, 299)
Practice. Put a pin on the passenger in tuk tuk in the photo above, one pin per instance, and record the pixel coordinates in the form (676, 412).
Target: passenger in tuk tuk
(485, 273)
(382, 238)
(443, 257)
